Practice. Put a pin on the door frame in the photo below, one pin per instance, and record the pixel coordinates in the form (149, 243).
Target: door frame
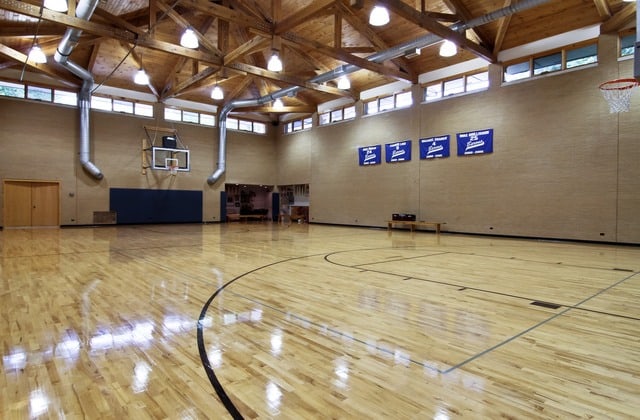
(31, 182)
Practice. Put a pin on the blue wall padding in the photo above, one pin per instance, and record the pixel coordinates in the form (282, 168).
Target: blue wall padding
(155, 206)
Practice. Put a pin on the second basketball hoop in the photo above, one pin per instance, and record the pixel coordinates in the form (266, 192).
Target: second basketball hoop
(618, 93)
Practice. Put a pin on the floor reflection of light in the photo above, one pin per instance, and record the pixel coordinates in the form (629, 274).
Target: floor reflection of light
(15, 360)
(229, 318)
(441, 414)
(174, 324)
(256, 315)
(101, 342)
(68, 349)
(142, 333)
(215, 357)
(38, 403)
(140, 376)
(274, 396)
(341, 370)
(276, 342)
(401, 358)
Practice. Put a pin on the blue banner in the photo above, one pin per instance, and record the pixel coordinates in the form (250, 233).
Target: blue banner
(370, 155)
(398, 152)
(475, 142)
(434, 147)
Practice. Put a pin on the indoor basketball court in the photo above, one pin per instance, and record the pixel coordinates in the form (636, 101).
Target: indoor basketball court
(259, 320)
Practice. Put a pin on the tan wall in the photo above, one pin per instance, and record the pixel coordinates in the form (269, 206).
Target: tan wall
(562, 167)
(40, 141)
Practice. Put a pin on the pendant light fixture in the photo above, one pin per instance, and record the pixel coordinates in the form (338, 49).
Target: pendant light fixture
(189, 39)
(344, 83)
(274, 63)
(217, 93)
(56, 5)
(277, 104)
(379, 16)
(448, 49)
(141, 77)
(36, 55)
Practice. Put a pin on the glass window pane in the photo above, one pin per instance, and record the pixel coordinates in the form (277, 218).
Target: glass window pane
(350, 112)
(39, 93)
(190, 116)
(144, 110)
(324, 118)
(386, 103)
(123, 106)
(207, 119)
(307, 123)
(336, 115)
(404, 100)
(232, 123)
(478, 81)
(371, 107)
(14, 90)
(102, 103)
(245, 125)
(297, 125)
(172, 114)
(582, 56)
(433, 92)
(547, 64)
(260, 128)
(451, 87)
(65, 98)
(517, 71)
(627, 45)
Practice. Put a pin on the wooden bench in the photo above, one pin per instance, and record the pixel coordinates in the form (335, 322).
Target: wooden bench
(413, 224)
(246, 217)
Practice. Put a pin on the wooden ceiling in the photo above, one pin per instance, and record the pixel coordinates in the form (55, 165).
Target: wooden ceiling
(312, 37)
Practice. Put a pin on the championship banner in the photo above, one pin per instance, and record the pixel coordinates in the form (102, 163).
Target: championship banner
(475, 142)
(370, 155)
(434, 147)
(398, 152)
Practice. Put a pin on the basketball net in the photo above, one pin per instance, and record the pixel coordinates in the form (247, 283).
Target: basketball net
(173, 169)
(618, 94)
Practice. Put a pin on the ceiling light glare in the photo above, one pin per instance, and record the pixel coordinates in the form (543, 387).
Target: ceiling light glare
(56, 5)
(141, 78)
(217, 93)
(274, 63)
(189, 39)
(379, 16)
(448, 49)
(344, 83)
(36, 55)
(278, 104)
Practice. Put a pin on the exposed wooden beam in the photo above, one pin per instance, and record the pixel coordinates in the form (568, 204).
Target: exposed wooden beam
(620, 19)
(254, 44)
(301, 109)
(228, 14)
(303, 15)
(290, 80)
(341, 55)
(407, 12)
(503, 26)
(603, 8)
(185, 84)
(52, 71)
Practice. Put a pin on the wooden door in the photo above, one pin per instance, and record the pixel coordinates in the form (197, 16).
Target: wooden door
(31, 203)
(45, 206)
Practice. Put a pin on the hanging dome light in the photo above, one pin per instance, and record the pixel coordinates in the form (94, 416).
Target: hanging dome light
(379, 16)
(189, 39)
(141, 77)
(278, 104)
(344, 83)
(56, 5)
(448, 49)
(217, 93)
(274, 63)
(36, 55)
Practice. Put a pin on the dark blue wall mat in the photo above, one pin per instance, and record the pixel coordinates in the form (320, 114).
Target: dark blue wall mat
(134, 205)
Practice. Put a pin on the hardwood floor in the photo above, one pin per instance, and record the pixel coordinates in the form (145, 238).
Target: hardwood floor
(259, 320)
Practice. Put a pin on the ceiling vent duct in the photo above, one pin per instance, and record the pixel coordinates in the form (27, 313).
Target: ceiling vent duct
(388, 54)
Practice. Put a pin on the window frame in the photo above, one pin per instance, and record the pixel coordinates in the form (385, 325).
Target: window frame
(462, 78)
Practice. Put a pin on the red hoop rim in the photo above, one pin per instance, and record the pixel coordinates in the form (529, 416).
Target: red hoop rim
(630, 83)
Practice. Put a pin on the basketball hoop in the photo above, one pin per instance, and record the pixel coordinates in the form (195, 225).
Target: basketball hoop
(172, 165)
(618, 93)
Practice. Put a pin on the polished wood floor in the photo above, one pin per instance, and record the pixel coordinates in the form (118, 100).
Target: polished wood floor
(262, 321)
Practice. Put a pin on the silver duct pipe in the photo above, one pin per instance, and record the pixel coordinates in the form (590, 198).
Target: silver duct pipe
(388, 54)
(84, 10)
